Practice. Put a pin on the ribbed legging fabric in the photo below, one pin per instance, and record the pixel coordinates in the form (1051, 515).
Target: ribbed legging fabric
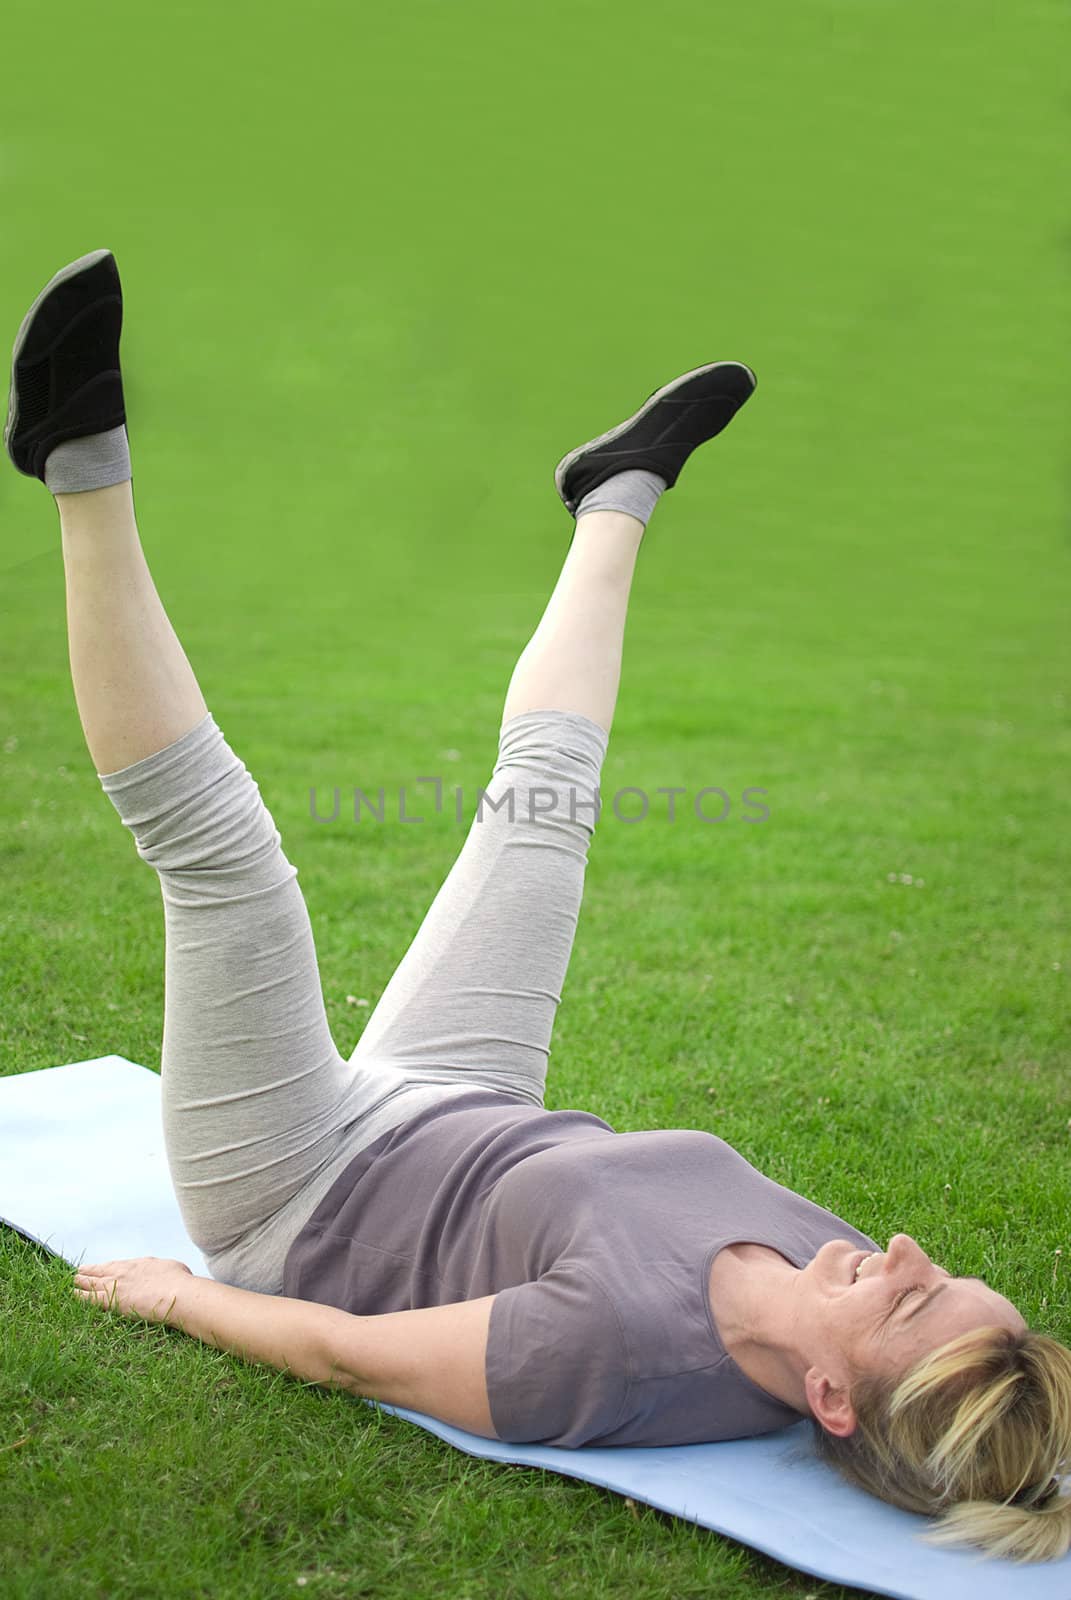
(261, 1112)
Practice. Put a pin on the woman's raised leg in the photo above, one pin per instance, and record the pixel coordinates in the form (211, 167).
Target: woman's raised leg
(573, 660)
(474, 999)
(134, 688)
(256, 1098)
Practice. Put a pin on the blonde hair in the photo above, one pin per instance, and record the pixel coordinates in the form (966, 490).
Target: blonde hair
(977, 1433)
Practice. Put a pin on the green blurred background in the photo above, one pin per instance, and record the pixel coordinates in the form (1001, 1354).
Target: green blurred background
(382, 267)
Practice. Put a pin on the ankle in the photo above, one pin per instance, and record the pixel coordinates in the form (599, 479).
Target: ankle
(613, 533)
(114, 495)
(635, 492)
(101, 518)
(90, 462)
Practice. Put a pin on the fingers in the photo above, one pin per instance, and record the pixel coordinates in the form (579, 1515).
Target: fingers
(92, 1281)
(99, 1267)
(137, 1288)
(95, 1280)
(96, 1294)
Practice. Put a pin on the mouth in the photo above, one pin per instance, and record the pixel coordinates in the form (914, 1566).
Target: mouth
(857, 1261)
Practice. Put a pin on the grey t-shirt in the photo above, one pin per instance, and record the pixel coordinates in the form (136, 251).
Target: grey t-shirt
(597, 1245)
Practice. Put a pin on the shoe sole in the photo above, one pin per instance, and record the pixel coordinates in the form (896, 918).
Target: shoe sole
(69, 271)
(566, 462)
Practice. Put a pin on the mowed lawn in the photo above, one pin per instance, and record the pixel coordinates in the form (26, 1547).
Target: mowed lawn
(382, 268)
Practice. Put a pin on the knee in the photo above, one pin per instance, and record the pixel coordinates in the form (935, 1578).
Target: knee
(562, 746)
(221, 828)
(548, 769)
(193, 805)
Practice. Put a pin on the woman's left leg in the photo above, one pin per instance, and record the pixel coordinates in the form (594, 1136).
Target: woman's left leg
(474, 999)
(573, 660)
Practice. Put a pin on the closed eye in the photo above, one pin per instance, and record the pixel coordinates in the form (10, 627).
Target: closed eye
(913, 1288)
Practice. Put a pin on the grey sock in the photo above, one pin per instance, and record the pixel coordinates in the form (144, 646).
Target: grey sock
(635, 492)
(92, 462)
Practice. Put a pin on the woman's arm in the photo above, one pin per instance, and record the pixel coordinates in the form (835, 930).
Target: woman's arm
(430, 1360)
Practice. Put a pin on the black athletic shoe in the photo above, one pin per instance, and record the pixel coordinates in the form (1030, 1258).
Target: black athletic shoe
(65, 377)
(662, 434)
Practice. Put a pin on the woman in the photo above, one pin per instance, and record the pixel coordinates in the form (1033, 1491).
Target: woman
(411, 1223)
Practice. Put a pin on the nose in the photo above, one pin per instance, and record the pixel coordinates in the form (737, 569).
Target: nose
(905, 1254)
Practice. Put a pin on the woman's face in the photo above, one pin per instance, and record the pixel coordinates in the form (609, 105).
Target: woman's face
(897, 1309)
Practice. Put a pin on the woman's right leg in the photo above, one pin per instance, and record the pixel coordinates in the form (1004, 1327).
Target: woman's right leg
(258, 1104)
(133, 685)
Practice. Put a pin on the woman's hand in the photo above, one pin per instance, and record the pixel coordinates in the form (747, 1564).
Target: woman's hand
(147, 1287)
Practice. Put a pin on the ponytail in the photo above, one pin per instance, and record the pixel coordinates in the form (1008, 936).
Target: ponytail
(978, 1435)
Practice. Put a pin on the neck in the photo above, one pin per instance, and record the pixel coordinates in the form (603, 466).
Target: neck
(757, 1315)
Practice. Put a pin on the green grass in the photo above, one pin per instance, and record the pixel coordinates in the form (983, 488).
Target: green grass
(383, 266)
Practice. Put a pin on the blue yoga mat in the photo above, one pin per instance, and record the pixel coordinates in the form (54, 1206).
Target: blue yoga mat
(83, 1171)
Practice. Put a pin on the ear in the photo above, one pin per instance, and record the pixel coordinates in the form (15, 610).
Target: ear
(830, 1404)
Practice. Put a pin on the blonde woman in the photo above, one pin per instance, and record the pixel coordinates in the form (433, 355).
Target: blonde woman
(411, 1223)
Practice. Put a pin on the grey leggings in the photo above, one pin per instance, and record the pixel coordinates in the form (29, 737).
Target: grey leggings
(260, 1111)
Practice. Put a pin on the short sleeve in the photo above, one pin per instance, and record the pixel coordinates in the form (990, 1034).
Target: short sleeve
(557, 1362)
